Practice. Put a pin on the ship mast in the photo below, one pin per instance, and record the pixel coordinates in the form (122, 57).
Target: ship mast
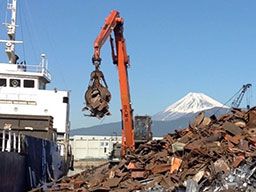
(11, 30)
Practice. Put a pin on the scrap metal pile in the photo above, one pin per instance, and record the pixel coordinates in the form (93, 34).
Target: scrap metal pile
(210, 155)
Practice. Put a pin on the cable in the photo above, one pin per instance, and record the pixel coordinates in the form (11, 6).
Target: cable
(228, 110)
(30, 30)
(6, 12)
(52, 43)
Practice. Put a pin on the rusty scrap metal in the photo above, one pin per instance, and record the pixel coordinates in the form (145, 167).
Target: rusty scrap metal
(175, 164)
(211, 154)
(97, 95)
(232, 128)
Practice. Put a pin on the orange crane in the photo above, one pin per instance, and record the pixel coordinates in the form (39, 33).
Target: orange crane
(97, 96)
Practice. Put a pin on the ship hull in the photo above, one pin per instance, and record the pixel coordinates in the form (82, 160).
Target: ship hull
(38, 163)
(12, 172)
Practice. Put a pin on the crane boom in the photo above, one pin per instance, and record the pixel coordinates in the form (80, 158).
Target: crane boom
(110, 23)
(98, 105)
(237, 101)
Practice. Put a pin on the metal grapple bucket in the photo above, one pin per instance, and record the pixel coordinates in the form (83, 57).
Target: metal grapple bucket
(97, 96)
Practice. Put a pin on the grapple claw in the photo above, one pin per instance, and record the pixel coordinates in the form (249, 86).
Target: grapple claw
(97, 96)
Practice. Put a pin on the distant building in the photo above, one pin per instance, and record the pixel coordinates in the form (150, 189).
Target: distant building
(85, 147)
(92, 147)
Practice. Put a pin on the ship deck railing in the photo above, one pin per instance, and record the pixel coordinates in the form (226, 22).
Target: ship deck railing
(29, 68)
(10, 141)
(35, 69)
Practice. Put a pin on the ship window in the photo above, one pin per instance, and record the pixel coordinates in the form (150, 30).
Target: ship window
(14, 82)
(41, 85)
(2, 82)
(29, 83)
(65, 99)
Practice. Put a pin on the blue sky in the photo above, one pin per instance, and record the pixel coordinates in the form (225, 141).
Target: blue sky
(175, 47)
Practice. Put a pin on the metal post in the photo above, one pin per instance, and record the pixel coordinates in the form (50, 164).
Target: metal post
(11, 30)
(3, 144)
(14, 142)
(19, 143)
(8, 146)
(43, 63)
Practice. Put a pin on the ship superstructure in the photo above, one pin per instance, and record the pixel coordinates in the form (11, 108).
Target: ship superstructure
(23, 92)
(34, 121)
(23, 86)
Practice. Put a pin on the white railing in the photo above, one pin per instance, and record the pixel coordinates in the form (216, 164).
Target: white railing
(35, 69)
(10, 141)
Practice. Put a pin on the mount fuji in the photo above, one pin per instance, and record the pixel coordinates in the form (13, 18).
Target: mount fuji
(189, 106)
(174, 117)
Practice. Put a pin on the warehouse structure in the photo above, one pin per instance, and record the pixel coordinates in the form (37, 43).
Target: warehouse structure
(87, 147)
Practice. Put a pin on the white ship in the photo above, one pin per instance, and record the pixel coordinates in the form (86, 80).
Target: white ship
(34, 121)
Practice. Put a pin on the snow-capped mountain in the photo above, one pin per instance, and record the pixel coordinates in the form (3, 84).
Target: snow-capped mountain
(174, 117)
(191, 104)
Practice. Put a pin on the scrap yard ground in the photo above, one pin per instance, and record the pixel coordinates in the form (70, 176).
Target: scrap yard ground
(81, 165)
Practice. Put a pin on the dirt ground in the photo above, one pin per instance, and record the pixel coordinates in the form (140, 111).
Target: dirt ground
(81, 165)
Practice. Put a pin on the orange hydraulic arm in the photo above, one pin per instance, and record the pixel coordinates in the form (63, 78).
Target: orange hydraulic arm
(114, 23)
